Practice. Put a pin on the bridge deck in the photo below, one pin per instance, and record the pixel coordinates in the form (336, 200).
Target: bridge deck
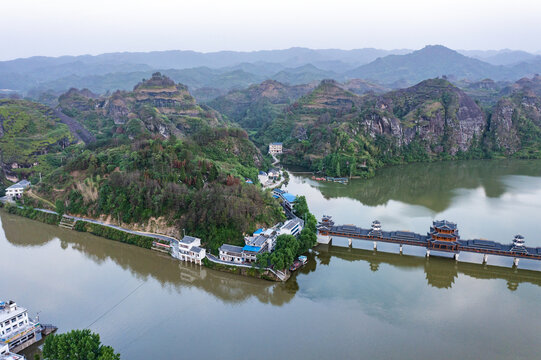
(411, 238)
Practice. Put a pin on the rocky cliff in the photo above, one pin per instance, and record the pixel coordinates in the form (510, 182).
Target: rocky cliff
(432, 118)
(157, 105)
(515, 123)
(433, 111)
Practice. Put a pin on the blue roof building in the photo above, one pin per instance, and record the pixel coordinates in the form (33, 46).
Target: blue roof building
(289, 197)
(255, 249)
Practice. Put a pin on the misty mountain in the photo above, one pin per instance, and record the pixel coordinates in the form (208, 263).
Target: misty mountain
(214, 74)
(509, 58)
(182, 59)
(437, 60)
(429, 62)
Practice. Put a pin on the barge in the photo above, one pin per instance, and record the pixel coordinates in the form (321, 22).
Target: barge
(17, 331)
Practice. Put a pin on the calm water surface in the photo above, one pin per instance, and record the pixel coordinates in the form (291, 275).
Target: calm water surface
(347, 303)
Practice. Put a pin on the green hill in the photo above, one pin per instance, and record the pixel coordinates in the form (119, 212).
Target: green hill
(31, 137)
(341, 133)
(157, 105)
(253, 107)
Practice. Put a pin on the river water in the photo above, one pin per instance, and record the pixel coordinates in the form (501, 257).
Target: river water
(346, 303)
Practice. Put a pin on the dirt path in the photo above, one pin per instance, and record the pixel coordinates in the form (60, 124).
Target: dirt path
(31, 194)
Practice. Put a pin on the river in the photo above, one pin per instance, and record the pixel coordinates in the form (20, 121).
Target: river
(346, 303)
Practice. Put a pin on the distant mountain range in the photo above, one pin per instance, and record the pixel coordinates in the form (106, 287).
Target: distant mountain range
(209, 75)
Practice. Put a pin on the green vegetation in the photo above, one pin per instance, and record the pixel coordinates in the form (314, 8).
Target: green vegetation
(33, 137)
(336, 133)
(77, 345)
(114, 234)
(253, 272)
(155, 106)
(47, 218)
(288, 247)
(308, 236)
(187, 184)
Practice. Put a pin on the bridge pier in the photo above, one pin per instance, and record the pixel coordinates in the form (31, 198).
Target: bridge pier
(485, 258)
(427, 253)
(515, 261)
(375, 245)
(324, 239)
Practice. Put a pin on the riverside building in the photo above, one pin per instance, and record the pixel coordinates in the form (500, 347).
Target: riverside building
(188, 249)
(15, 191)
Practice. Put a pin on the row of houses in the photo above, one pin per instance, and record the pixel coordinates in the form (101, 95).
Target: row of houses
(261, 241)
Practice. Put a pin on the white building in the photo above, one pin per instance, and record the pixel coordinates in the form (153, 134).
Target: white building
(261, 241)
(232, 253)
(273, 174)
(15, 191)
(292, 227)
(188, 249)
(15, 328)
(275, 148)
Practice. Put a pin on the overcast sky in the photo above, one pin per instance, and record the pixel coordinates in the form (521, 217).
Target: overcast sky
(74, 27)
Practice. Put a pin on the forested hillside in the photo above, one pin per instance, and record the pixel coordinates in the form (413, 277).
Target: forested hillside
(31, 139)
(168, 184)
(161, 163)
(342, 134)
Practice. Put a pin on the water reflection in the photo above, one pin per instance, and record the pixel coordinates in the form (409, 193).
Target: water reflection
(431, 185)
(144, 264)
(439, 273)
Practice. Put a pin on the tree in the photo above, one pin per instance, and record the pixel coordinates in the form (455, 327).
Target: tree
(285, 251)
(60, 207)
(301, 207)
(77, 345)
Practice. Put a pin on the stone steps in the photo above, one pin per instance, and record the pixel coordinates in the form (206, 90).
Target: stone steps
(67, 223)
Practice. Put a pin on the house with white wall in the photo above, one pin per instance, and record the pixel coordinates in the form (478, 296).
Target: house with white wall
(189, 249)
(15, 191)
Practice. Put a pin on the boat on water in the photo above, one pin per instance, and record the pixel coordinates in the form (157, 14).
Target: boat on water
(300, 262)
(17, 331)
(296, 264)
(331, 179)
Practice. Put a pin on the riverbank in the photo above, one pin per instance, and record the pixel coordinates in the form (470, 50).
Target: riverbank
(244, 270)
(131, 237)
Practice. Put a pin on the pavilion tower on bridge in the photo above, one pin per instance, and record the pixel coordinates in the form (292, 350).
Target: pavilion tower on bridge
(375, 229)
(443, 235)
(518, 245)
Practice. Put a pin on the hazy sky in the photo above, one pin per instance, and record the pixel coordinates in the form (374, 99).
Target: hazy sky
(74, 27)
